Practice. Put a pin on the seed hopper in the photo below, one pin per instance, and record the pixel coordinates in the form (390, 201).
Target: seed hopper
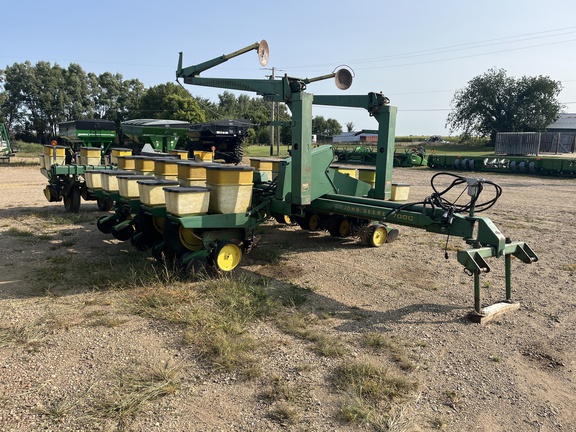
(210, 218)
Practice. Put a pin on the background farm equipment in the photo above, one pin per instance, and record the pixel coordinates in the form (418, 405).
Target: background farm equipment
(565, 166)
(162, 135)
(366, 155)
(87, 144)
(6, 149)
(223, 137)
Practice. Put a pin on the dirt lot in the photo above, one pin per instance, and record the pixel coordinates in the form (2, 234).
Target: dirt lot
(62, 348)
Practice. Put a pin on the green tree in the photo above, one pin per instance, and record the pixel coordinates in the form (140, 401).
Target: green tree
(494, 102)
(325, 128)
(172, 102)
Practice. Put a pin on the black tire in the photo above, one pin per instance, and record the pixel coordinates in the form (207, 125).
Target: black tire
(104, 204)
(72, 200)
(124, 233)
(106, 223)
(310, 221)
(149, 234)
(339, 226)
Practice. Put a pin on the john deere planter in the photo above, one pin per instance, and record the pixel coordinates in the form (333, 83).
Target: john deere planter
(207, 213)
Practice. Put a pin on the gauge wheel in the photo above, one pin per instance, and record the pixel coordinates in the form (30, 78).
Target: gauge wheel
(226, 256)
(105, 203)
(179, 240)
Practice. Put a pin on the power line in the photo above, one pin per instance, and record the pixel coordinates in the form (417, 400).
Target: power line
(460, 47)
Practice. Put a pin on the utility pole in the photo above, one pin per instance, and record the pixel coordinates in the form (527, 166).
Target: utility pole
(272, 121)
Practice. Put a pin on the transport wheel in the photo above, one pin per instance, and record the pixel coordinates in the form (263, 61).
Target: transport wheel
(374, 235)
(227, 256)
(123, 232)
(106, 223)
(72, 200)
(104, 204)
(339, 226)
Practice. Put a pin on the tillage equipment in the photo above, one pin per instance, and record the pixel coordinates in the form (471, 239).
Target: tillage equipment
(206, 214)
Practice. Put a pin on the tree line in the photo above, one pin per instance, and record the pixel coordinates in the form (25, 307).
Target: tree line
(35, 98)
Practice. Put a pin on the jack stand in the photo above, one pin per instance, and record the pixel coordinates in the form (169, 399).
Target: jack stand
(487, 314)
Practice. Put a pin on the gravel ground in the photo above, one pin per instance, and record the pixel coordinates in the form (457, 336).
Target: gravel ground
(516, 373)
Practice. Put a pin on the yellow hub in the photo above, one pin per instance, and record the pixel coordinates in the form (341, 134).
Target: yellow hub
(344, 228)
(190, 240)
(158, 223)
(228, 257)
(314, 222)
(378, 237)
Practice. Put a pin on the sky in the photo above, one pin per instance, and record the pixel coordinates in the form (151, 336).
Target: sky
(418, 53)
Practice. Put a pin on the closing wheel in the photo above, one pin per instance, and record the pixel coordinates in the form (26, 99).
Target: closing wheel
(104, 203)
(374, 235)
(106, 223)
(196, 266)
(123, 232)
(227, 256)
(72, 200)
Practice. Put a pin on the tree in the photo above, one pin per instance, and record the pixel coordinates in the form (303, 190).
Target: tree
(350, 127)
(325, 128)
(170, 102)
(494, 102)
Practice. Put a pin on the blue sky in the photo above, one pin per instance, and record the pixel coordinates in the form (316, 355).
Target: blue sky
(418, 52)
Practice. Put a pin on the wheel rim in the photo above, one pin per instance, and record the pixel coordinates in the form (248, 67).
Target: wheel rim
(158, 223)
(378, 237)
(228, 257)
(188, 239)
(314, 222)
(344, 228)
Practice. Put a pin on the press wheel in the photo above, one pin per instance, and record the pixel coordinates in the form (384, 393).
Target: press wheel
(374, 235)
(227, 256)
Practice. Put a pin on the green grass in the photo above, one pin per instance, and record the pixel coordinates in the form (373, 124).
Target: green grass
(372, 394)
(302, 326)
(31, 150)
(216, 313)
(264, 151)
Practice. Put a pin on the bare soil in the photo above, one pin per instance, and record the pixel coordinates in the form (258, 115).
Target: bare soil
(514, 374)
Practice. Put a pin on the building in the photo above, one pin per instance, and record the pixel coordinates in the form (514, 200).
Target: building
(566, 123)
(363, 136)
